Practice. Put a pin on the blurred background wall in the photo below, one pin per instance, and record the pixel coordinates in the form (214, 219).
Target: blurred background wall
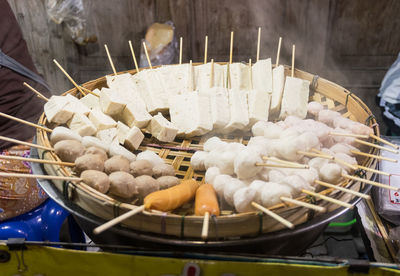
(351, 43)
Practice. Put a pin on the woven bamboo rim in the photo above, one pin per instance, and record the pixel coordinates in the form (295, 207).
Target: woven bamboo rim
(331, 95)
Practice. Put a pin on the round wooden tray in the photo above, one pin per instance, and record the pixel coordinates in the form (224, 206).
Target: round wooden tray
(331, 95)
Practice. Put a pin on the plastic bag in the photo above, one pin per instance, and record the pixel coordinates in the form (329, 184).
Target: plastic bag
(71, 12)
(161, 48)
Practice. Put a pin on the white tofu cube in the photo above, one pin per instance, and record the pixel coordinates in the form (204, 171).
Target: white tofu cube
(262, 75)
(295, 98)
(82, 125)
(239, 116)
(76, 106)
(107, 135)
(162, 129)
(91, 101)
(110, 102)
(176, 79)
(219, 103)
(134, 138)
(199, 114)
(135, 115)
(100, 120)
(55, 110)
(259, 102)
(122, 132)
(239, 76)
(278, 75)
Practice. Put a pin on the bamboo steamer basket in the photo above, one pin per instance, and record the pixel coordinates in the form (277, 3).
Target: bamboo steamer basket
(231, 226)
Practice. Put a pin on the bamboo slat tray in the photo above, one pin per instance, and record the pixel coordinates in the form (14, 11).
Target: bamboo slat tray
(231, 226)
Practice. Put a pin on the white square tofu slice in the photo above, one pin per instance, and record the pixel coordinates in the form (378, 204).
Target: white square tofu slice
(90, 100)
(135, 114)
(198, 114)
(176, 79)
(134, 138)
(262, 75)
(107, 135)
(122, 132)
(295, 98)
(179, 112)
(219, 103)
(259, 102)
(114, 82)
(82, 125)
(239, 74)
(100, 120)
(278, 75)
(56, 111)
(239, 116)
(110, 102)
(162, 129)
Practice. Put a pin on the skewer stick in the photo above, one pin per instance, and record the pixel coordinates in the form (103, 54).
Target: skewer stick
(90, 92)
(348, 135)
(180, 49)
(377, 184)
(258, 43)
(375, 146)
(34, 160)
(25, 122)
(231, 49)
(204, 230)
(293, 53)
(133, 56)
(373, 156)
(251, 74)
(147, 55)
(117, 220)
(285, 162)
(40, 95)
(383, 141)
(40, 176)
(280, 219)
(342, 189)
(212, 73)
(279, 51)
(69, 77)
(303, 204)
(327, 198)
(25, 143)
(312, 154)
(110, 60)
(373, 170)
(278, 166)
(205, 49)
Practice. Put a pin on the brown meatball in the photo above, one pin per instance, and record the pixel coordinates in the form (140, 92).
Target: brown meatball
(89, 162)
(96, 150)
(123, 184)
(146, 185)
(165, 182)
(116, 163)
(163, 170)
(69, 150)
(97, 180)
(141, 167)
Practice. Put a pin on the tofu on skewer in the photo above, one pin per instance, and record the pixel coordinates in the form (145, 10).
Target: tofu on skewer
(176, 79)
(162, 129)
(238, 107)
(295, 98)
(278, 76)
(219, 103)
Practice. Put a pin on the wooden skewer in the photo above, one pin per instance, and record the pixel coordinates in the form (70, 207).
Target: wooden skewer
(251, 75)
(293, 53)
(279, 166)
(212, 73)
(325, 184)
(147, 55)
(279, 51)
(231, 49)
(377, 184)
(25, 143)
(90, 92)
(204, 230)
(312, 154)
(25, 122)
(327, 198)
(285, 162)
(373, 156)
(133, 56)
(110, 60)
(40, 95)
(258, 43)
(304, 204)
(348, 135)
(180, 49)
(373, 170)
(205, 49)
(40, 176)
(34, 160)
(117, 220)
(278, 218)
(69, 77)
(383, 141)
(375, 146)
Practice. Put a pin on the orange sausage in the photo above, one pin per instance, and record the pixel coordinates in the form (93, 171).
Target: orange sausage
(206, 201)
(171, 198)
